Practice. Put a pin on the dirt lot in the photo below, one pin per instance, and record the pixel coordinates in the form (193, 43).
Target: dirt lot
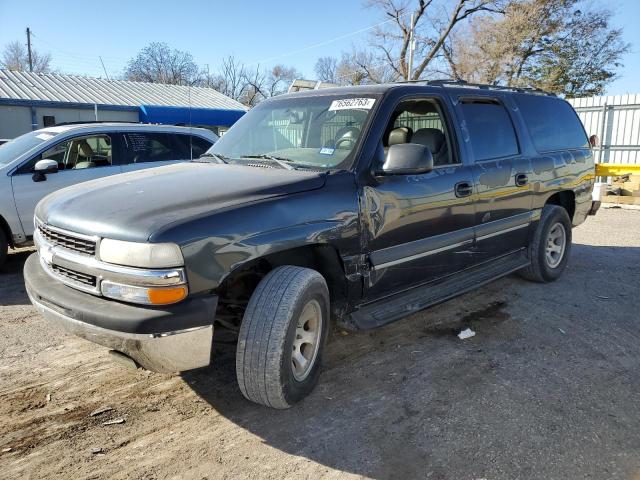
(548, 388)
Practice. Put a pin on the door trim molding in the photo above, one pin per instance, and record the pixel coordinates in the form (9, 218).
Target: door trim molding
(407, 252)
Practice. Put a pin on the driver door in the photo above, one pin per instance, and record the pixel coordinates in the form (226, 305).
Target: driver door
(420, 226)
(79, 159)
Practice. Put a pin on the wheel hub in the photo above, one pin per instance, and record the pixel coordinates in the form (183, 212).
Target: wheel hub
(306, 342)
(555, 245)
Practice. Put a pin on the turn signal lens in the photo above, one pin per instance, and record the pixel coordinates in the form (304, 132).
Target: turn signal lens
(164, 296)
(144, 295)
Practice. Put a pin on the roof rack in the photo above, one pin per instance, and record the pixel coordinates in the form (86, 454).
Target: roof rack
(484, 86)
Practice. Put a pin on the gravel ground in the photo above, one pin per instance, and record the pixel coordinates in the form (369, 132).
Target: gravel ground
(547, 389)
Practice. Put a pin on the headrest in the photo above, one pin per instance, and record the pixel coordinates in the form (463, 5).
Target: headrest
(399, 135)
(432, 138)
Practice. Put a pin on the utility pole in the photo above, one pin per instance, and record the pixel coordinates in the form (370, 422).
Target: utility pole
(411, 47)
(29, 49)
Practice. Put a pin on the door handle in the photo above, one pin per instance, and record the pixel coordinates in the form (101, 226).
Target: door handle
(463, 189)
(521, 179)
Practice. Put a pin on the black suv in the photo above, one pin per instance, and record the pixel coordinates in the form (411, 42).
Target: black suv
(360, 205)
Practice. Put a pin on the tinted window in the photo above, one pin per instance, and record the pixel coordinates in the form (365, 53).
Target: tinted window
(199, 146)
(155, 147)
(552, 123)
(490, 128)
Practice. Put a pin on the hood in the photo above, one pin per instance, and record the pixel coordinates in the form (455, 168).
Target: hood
(132, 206)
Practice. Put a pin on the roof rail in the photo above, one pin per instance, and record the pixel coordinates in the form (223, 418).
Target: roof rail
(447, 82)
(80, 122)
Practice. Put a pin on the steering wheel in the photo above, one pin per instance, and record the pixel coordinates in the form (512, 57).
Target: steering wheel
(348, 135)
(351, 142)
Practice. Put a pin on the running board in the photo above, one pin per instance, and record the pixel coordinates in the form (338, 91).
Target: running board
(390, 309)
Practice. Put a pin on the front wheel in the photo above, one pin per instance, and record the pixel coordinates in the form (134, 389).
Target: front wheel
(550, 246)
(282, 336)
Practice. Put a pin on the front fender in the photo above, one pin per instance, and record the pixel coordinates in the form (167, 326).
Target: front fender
(215, 246)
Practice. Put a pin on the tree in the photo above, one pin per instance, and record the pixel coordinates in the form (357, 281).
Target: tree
(15, 57)
(434, 22)
(247, 85)
(557, 45)
(157, 63)
(326, 69)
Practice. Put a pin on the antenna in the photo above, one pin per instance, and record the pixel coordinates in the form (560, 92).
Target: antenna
(105, 70)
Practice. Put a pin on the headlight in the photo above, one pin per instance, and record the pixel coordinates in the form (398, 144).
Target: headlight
(144, 295)
(145, 255)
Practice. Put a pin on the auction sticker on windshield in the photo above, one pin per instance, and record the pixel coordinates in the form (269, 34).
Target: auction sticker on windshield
(352, 104)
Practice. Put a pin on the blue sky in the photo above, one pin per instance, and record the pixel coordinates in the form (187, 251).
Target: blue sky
(295, 33)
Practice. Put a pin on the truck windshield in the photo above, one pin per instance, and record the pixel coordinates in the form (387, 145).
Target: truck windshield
(22, 144)
(320, 132)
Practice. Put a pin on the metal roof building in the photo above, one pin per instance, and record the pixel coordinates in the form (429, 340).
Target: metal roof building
(30, 101)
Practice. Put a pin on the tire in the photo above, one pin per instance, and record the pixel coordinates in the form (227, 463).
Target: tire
(270, 337)
(4, 247)
(554, 223)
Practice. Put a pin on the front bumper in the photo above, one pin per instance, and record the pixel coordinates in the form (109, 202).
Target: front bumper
(168, 339)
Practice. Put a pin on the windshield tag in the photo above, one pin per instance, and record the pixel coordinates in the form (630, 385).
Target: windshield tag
(327, 151)
(352, 104)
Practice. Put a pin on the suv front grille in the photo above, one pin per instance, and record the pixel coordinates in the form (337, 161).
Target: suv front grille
(67, 240)
(78, 277)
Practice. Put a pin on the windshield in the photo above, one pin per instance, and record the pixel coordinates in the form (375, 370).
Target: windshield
(22, 144)
(307, 132)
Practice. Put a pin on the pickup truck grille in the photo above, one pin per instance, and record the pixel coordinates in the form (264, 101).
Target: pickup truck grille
(77, 277)
(67, 240)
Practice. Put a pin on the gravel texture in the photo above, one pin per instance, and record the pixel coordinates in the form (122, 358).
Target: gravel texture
(548, 388)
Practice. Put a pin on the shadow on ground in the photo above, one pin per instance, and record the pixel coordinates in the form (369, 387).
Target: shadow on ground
(12, 290)
(546, 389)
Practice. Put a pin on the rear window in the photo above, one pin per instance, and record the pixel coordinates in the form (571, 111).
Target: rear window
(552, 123)
(490, 129)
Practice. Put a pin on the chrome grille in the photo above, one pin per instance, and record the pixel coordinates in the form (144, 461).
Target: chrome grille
(67, 240)
(74, 276)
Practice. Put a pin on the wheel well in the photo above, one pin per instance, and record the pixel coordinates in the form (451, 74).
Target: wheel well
(236, 289)
(565, 199)
(7, 231)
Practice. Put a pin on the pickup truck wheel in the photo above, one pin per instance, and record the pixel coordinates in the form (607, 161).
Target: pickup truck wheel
(4, 247)
(282, 336)
(550, 246)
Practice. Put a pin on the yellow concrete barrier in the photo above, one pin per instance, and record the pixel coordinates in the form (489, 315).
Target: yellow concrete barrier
(615, 169)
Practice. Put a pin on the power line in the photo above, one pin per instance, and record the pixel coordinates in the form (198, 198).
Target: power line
(332, 40)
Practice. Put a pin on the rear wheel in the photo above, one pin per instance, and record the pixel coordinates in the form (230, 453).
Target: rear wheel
(282, 336)
(550, 246)
(4, 247)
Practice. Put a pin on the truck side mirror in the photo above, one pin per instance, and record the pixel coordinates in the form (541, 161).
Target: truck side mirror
(407, 159)
(43, 167)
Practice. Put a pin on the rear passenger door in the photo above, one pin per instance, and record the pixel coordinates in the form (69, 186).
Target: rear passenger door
(154, 149)
(501, 172)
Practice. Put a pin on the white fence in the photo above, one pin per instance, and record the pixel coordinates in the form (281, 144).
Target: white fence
(616, 122)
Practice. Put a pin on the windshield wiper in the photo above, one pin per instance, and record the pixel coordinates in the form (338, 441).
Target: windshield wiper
(283, 162)
(221, 158)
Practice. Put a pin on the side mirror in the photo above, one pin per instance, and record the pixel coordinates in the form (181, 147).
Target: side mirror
(43, 167)
(407, 159)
